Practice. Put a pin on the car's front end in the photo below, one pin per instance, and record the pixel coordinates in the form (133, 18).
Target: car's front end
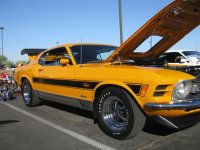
(184, 108)
(170, 97)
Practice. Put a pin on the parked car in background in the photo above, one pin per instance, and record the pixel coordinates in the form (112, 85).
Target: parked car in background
(184, 60)
(121, 85)
(183, 57)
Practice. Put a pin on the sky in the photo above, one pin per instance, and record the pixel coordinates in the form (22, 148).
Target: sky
(42, 23)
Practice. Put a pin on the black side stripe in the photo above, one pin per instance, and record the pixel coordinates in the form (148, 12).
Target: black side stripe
(70, 83)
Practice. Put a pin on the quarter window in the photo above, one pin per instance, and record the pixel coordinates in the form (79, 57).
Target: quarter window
(52, 57)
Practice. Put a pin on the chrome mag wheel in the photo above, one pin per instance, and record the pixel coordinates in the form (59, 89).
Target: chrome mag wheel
(29, 96)
(27, 93)
(118, 114)
(115, 114)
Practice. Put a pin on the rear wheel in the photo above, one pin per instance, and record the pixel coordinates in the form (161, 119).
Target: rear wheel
(29, 96)
(118, 114)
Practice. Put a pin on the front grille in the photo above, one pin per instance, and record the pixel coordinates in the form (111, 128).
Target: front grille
(195, 92)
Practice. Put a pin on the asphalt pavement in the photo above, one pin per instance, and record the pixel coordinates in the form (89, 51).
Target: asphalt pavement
(54, 126)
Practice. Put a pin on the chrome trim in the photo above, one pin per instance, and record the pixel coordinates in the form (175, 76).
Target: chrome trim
(115, 114)
(195, 82)
(78, 103)
(174, 106)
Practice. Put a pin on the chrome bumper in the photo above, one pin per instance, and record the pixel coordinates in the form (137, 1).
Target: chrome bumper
(174, 106)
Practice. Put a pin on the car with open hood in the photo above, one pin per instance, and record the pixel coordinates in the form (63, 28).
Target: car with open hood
(121, 85)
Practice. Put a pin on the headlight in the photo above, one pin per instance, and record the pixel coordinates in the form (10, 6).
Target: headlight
(181, 90)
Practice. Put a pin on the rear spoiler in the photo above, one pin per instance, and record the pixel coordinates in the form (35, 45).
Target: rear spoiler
(32, 52)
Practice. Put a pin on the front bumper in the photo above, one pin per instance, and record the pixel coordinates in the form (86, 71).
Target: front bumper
(177, 122)
(174, 106)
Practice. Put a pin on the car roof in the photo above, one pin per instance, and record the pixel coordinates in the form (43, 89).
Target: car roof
(180, 50)
(78, 44)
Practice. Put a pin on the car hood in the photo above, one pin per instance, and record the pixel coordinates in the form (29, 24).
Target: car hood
(133, 73)
(172, 23)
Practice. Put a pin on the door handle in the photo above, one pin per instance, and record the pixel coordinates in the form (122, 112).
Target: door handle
(40, 70)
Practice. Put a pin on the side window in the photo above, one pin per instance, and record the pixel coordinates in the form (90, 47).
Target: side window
(42, 59)
(52, 57)
(173, 57)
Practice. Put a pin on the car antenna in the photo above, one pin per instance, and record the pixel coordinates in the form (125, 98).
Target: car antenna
(81, 54)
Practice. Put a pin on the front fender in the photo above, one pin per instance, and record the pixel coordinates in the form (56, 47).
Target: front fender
(102, 85)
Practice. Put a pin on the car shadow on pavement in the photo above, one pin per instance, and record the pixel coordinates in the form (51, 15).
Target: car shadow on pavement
(70, 109)
(152, 127)
(8, 121)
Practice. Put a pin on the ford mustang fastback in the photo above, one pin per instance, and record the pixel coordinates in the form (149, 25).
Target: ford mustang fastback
(121, 85)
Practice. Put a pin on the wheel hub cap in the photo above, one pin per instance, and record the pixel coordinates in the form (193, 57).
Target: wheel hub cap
(115, 114)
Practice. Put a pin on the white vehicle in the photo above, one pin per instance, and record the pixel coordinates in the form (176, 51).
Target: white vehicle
(183, 60)
(182, 57)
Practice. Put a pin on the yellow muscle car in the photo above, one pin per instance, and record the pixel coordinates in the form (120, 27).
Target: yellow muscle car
(121, 85)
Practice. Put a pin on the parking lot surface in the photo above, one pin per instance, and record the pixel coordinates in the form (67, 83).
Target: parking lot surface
(53, 126)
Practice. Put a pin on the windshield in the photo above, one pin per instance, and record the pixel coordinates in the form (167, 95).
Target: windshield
(192, 55)
(91, 53)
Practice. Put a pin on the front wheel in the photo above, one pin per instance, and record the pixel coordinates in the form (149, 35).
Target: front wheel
(118, 114)
(29, 96)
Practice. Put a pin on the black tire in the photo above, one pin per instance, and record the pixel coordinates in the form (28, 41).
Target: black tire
(10, 95)
(28, 94)
(118, 114)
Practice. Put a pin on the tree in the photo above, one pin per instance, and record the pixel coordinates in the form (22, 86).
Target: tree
(8, 63)
(23, 62)
(4, 62)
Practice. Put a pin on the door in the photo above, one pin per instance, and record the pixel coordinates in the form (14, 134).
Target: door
(53, 78)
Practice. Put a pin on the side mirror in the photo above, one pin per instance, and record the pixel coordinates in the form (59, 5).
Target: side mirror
(64, 61)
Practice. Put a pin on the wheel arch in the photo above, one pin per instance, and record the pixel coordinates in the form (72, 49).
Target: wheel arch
(22, 79)
(29, 96)
(25, 77)
(100, 88)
